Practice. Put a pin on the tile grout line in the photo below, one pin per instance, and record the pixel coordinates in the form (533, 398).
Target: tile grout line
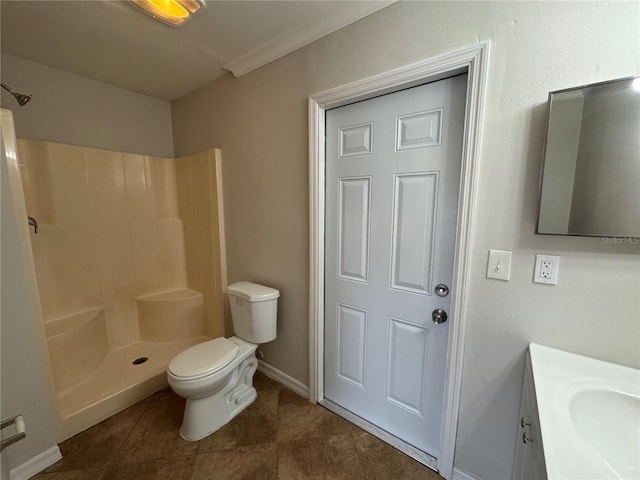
(124, 442)
(355, 446)
(104, 472)
(193, 466)
(110, 462)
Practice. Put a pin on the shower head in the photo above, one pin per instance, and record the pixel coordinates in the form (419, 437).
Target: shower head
(20, 98)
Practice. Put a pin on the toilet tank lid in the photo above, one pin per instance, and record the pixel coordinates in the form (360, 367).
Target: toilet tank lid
(253, 292)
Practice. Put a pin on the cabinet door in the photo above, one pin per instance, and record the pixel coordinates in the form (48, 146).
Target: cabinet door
(529, 458)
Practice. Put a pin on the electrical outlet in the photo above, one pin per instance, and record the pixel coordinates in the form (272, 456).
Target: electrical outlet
(499, 266)
(546, 269)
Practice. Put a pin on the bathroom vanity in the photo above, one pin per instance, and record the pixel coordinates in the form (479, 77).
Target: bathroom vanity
(579, 418)
(529, 463)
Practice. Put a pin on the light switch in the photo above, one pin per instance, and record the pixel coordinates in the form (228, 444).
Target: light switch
(499, 266)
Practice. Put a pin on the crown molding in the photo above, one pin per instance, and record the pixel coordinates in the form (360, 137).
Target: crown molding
(303, 35)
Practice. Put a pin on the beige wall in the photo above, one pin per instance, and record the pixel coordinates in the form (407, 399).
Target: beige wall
(260, 122)
(68, 108)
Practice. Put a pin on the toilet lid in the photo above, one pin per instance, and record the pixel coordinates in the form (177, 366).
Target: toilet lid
(203, 359)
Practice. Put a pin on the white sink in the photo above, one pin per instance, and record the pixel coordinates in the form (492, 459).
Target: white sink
(589, 416)
(617, 413)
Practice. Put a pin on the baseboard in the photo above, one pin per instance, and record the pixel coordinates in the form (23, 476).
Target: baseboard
(461, 475)
(37, 464)
(281, 377)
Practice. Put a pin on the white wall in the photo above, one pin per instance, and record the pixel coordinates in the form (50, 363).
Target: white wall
(260, 123)
(68, 108)
(25, 386)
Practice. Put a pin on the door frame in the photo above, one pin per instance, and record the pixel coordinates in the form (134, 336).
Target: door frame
(473, 60)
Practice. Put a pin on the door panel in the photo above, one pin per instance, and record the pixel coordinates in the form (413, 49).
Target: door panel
(356, 140)
(414, 214)
(392, 180)
(408, 345)
(353, 228)
(351, 338)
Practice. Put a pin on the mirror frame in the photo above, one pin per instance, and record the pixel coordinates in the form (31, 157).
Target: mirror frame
(544, 156)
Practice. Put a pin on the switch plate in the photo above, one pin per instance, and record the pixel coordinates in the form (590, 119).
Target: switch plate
(499, 266)
(546, 269)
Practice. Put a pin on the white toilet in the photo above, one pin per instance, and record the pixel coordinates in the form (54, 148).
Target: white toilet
(216, 377)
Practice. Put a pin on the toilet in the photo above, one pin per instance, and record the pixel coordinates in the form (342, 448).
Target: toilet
(216, 377)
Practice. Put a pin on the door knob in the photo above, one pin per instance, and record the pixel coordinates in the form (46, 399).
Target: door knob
(438, 316)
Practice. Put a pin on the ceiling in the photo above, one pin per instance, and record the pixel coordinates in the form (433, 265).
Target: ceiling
(114, 42)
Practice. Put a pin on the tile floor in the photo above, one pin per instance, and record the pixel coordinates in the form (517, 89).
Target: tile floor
(280, 436)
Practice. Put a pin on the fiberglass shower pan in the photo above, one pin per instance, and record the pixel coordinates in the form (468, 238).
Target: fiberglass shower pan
(129, 261)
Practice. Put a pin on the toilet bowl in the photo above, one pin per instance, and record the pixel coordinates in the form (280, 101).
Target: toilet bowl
(216, 377)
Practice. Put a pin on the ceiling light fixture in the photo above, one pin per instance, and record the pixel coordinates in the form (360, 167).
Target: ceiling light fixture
(171, 12)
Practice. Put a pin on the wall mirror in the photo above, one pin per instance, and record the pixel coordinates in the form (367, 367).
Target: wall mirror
(590, 182)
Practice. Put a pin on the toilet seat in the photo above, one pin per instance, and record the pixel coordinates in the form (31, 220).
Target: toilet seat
(203, 359)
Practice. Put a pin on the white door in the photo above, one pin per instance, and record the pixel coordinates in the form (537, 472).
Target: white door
(392, 181)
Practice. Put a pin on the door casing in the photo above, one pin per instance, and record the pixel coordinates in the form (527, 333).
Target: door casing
(473, 60)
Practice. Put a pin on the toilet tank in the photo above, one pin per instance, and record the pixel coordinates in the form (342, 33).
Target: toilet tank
(253, 311)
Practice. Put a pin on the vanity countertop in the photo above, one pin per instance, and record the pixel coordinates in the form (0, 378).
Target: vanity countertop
(589, 415)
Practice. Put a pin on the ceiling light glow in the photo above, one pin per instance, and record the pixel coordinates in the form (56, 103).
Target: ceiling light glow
(171, 12)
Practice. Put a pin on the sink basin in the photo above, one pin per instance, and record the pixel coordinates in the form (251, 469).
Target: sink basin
(595, 411)
(589, 416)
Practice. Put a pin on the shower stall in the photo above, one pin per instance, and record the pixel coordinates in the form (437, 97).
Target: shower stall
(130, 266)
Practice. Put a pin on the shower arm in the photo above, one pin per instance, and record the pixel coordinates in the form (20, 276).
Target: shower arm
(8, 88)
(20, 98)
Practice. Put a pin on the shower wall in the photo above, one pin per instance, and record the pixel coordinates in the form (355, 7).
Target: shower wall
(200, 205)
(122, 253)
(109, 231)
